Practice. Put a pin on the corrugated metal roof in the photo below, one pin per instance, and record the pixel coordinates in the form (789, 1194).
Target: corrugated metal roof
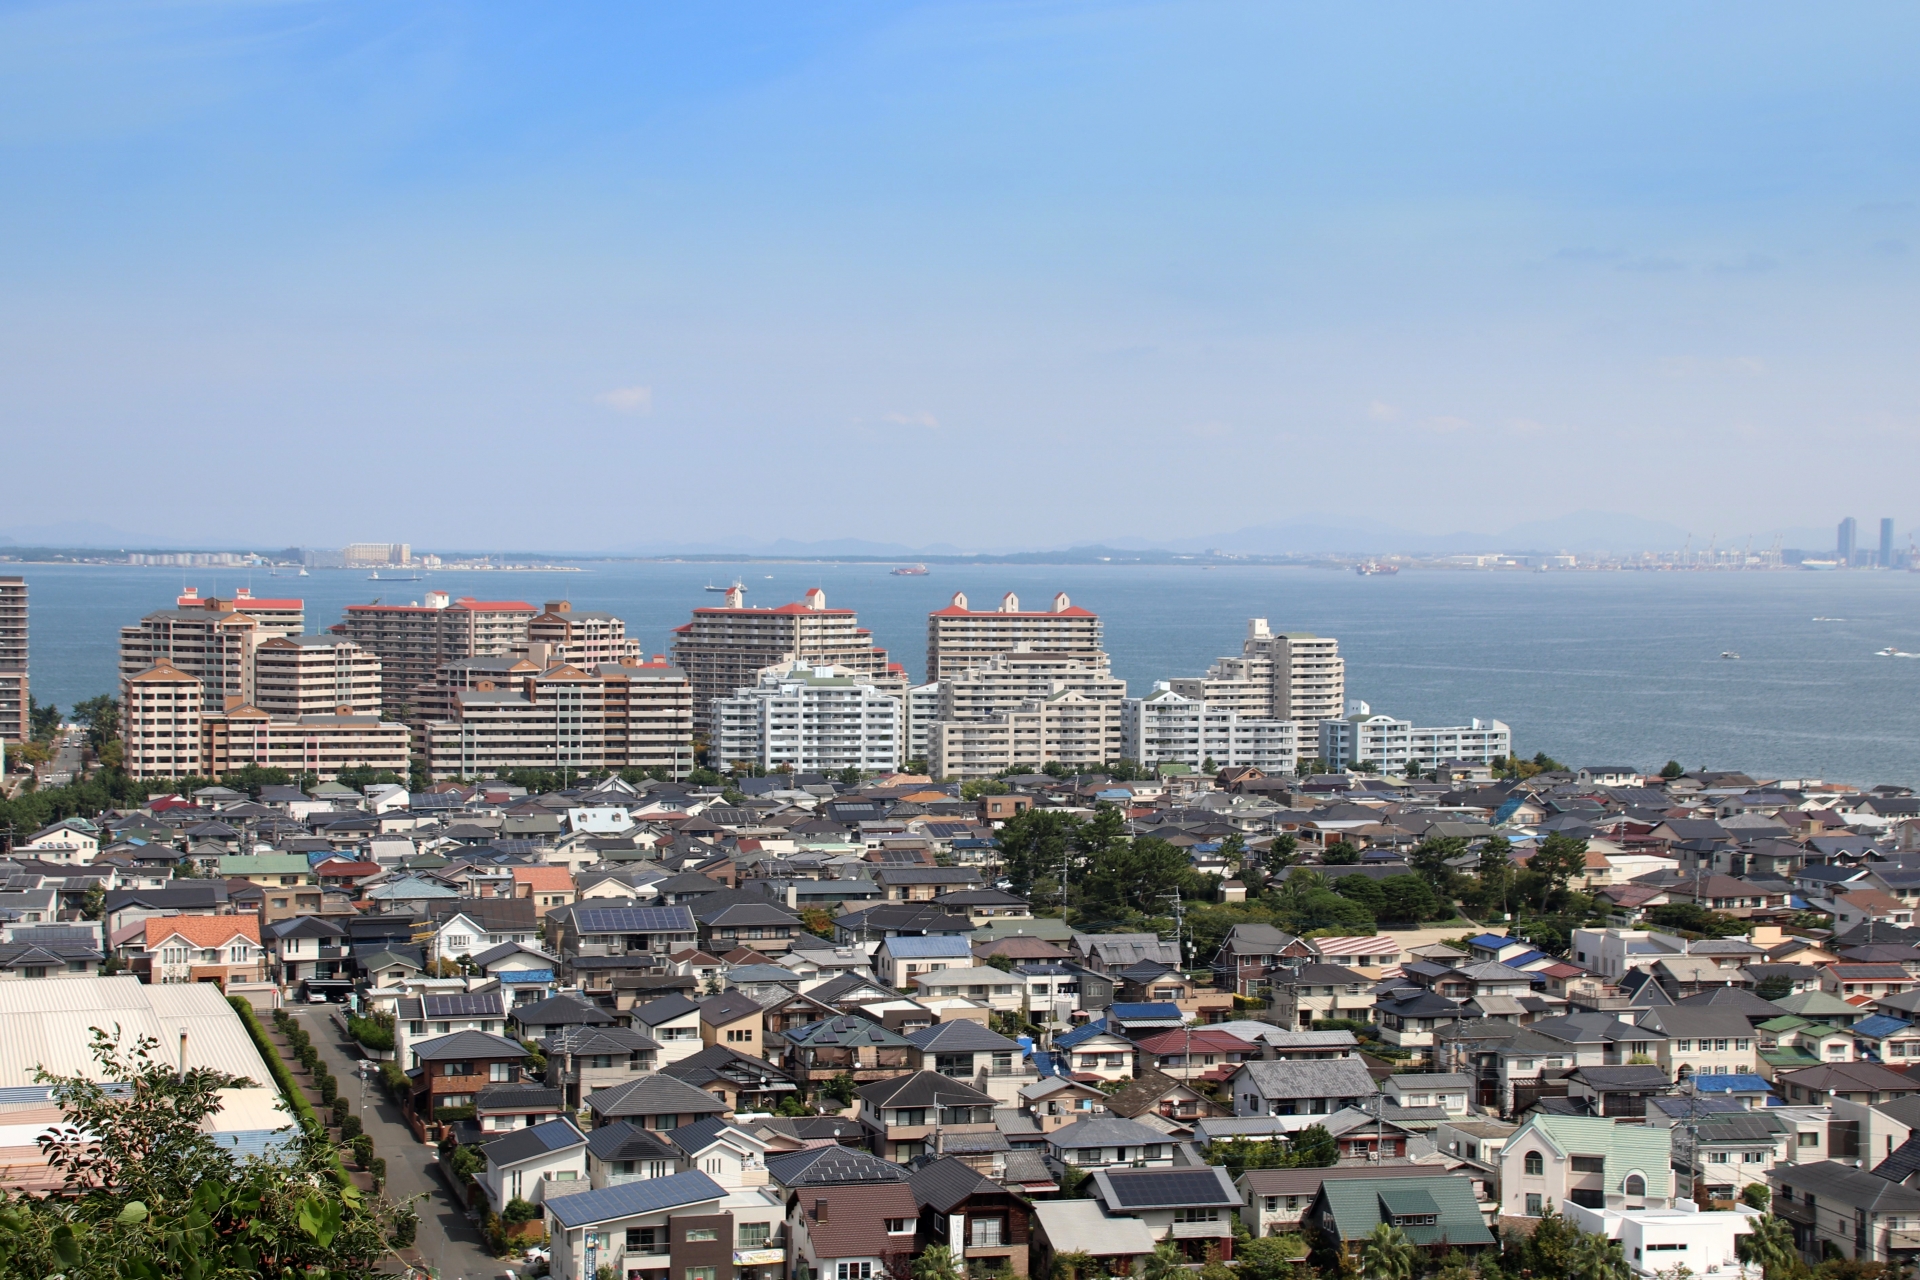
(50, 1024)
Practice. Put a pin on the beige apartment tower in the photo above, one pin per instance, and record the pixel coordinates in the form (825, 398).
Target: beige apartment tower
(413, 641)
(315, 676)
(1279, 675)
(582, 638)
(13, 660)
(726, 648)
(959, 637)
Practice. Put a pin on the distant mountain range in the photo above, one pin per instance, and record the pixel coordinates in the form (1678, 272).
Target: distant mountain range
(1580, 532)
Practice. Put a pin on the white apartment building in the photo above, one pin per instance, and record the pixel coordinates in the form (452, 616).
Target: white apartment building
(1393, 746)
(320, 675)
(923, 709)
(803, 717)
(160, 711)
(1169, 728)
(1278, 675)
(492, 714)
(1078, 731)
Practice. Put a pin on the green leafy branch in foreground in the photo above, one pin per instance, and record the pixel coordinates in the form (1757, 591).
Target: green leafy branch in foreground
(149, 1195)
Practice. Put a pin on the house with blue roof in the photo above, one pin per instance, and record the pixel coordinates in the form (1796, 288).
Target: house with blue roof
(649, 1225)
(1093, 1052)
(1891, 1041)
(899, 959)
(1496, 948)
(1749, 1090)
(1136, 1019)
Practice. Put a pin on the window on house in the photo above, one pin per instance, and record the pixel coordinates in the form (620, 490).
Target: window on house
(1635, 1185)
(500, 1072)
(1535, 1165)
(739, 1037)
(899, 1226)
(702, 1235)
(986, 1233)
(754, 1235)
(1196, 1215)
(1533, 1206)
(1589, 1164)
(700, 1273)
(856, 1271)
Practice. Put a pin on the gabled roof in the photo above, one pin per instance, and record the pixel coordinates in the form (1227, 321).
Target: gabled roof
(923, 1089)
(534, 1141)
(663, 1010)
(1122, 1190)
(827, 1165)
(1105, 1131)
(466, 1045)
(730, 1007)
(625, 1140)
(1327, 1078)
(653, 1095)
(201, 931)
(630, 1199)
(962, 1035)
(942, 1184)
(844, 1032)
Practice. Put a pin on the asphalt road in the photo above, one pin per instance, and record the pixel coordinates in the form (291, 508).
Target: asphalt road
(448, 1241)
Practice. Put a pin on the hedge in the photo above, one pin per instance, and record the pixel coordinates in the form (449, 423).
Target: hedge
(302, 1109)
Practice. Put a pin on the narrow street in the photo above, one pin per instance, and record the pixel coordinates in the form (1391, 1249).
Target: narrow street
(448, 1242)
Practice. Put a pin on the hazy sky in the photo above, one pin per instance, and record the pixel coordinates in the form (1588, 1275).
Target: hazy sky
(601, 275)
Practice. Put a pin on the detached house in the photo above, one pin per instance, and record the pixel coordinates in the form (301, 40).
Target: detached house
(523, 1164)
(984, 1225)
(1316, 1088)
(218, 949)
(1194, 1208)
(927, 1113)
(449, 1071)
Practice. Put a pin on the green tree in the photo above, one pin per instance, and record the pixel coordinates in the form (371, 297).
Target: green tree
(1331, 911)
(1595, 1257)
(1770, 1246)
(1036, 843)
(148, 1196)
(1362, 889)
(1559, 859)
(1004, 963)
(1431, 856)
(1268, 1257)
(1672, 769)
(1694, 918)
(1075, 1264)
(1387, 1254)
(1281, 851)
(1757, 1195)
(1407, 897)
(935, 1263)
(1314, 1148)
(1166, 1262)
(43, 719)
(1340, 854)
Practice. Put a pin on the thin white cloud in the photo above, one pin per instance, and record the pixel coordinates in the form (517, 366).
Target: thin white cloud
(1381, 411)
(923, 418)
(634, 400)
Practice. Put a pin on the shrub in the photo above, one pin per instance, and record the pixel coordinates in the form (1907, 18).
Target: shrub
(349, 1127)
(329, 1091)
(339, 1112)
(362, 1150)
(406, 1224)
(395, 1080)
(378, 1168)
(449, 1115)
(519, 1210)
(375, 1032)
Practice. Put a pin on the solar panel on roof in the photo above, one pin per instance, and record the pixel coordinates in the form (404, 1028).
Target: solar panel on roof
(633, 919)
(1134, 1189)
(463, 1004)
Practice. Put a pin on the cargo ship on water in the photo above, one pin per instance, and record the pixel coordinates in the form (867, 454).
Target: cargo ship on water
(1368, 568)
(910, 571)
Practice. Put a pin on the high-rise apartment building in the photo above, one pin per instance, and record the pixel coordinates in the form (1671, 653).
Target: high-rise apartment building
(581, 638)
(1167, 727)
(726, 648)
(1846, 541)
(1279, 675)
(13, 660)
(167, 730)
(800, 717)
(210, 646)
(413, 641)
(276, 617)
(1365, 736)
(1886, 542)
(1068, 728)
(314, 676)
(490, 715)
(959, 637)
(376, 555)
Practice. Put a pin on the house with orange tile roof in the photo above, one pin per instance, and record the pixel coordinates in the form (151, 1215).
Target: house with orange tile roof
(549, 887)
(216, 949)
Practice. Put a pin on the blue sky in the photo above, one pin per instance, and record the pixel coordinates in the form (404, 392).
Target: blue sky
(604, 276)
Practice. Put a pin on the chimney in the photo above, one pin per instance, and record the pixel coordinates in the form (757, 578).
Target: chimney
(183, 1052)
(820, 1212)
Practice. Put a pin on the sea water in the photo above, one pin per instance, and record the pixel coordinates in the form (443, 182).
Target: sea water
(1616, 668)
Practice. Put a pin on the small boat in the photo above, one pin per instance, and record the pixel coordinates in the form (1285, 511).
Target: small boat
(737, 586)
(910, 571)
(1369, 568)
(302, 573)
(1728, 653)
(1829, 619)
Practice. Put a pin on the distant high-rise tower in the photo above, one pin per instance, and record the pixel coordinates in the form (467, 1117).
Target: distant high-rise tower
(13, 660)
(1847, 539)
(1886, 542)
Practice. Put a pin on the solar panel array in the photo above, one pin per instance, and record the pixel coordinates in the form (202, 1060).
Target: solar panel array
(634, 920)
(463, 1004)
(1145, 1188)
